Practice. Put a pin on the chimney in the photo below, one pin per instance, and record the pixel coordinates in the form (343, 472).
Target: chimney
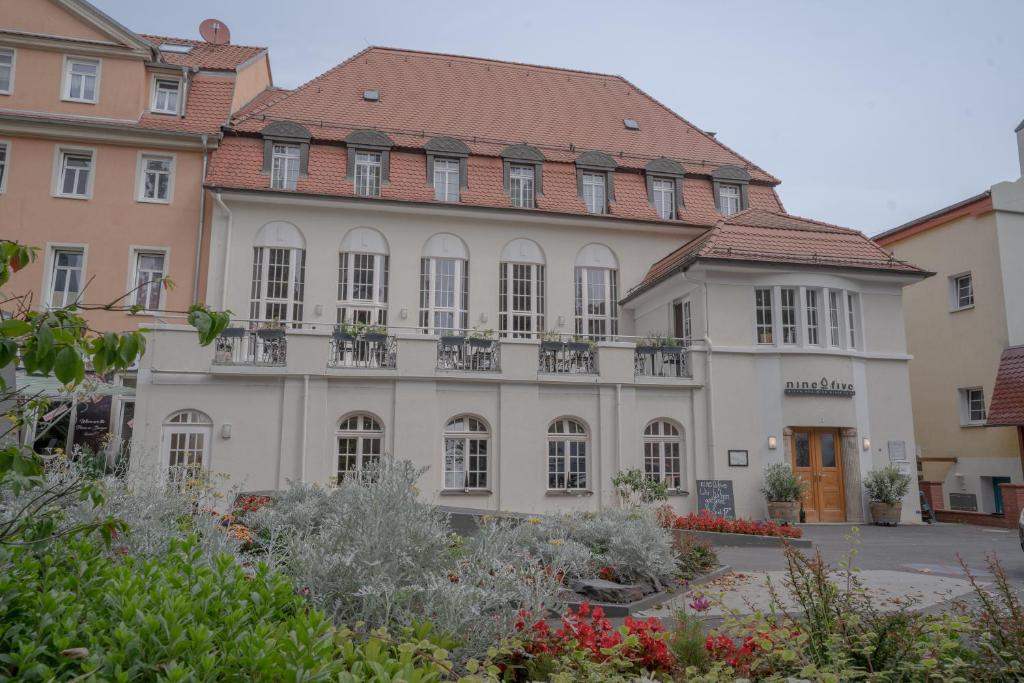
(1019, 130)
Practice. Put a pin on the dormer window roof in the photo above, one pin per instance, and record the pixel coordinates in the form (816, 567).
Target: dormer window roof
(286, 134)
(595, 180)
(374, 149)
(729, 185)
(666, 176)
(526, 163)
(452, 151)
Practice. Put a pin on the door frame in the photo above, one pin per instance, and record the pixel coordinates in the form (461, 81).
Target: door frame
(814, 444)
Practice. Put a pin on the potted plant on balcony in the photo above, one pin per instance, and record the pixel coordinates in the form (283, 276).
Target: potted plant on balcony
(580, 344)
(481, 338)
(886, 488)
(784, 491)
(551, 341)
(373, 333)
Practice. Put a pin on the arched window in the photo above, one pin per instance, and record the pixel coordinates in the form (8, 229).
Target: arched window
(567, 455)
(363, 278)
(278, 273)
(521, 289)
(466, 451)
(186, 444)
(444, 285)
(360, 444)
(597, 292)
(663, 447)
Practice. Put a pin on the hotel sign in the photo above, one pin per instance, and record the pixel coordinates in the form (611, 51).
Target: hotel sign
(821, 387)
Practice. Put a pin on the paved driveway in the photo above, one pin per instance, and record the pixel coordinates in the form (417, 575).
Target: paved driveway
(921, 548)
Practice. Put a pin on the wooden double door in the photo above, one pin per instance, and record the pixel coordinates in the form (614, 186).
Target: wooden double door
(818, 460)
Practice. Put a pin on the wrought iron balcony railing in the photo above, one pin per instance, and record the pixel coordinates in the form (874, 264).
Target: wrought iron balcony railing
(661, 361)
(239, 346)
(567, 358)
(468, 354)
(368, 350)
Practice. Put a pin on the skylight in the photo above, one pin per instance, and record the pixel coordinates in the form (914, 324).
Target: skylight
(631, 124)
(176, 48)
(371, 95)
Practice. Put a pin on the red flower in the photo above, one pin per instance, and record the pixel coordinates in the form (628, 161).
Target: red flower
(705, 521)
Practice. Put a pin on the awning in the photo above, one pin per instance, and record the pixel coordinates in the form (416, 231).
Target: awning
(1007, 406)
(48, 386)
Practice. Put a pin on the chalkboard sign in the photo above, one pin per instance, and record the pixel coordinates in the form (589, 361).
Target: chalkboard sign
(93, 422)
(715, 496)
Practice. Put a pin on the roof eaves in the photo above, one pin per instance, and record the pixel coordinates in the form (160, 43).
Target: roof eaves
(933, 215)
(107, 24)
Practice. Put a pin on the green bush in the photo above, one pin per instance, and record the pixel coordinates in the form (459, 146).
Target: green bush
(781, 484)
(887, 485)
(76, 610)
(696, 556)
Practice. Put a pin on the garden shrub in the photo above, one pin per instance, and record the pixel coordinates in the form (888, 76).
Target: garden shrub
(696, 556)
(887, 485)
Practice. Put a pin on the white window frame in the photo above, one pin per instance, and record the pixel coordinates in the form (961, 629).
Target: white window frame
(155, 86)
(522, 185)
(687, 323)
(956, 300)
(66, 82)
(729, 199)
(202, 427)
(362, 435)
(812, 316)
(966, 394)
(140, 177)
(429, 307)
(508, 314)
(657, 451)
(285, 160)
(466, 437)
(368, 169)
(764, 316)
(294, 298)
(665, 204)
(595, 192)
(583, 317)
(135, 252)
(567, 440)
(855, 335)
(374, 308)
(447, 180)
(13, 67)
(835, 317)
(50, 270)
(789, 330)
(60, 154)
(5, 164)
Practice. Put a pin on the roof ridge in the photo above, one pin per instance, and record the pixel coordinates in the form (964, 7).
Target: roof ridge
(194, 41)
(753, 210)
(492, 60)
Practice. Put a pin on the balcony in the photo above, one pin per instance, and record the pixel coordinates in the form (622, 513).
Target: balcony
(468, 354)
(660, 361)
(260, 347)
(567, 358)
(368, 350)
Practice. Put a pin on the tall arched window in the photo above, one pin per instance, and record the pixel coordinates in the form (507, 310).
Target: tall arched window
(360, 444)
(663, 447)
(521, 289)
(363, 278)
(186, 444)
(444, 285)
(278, 273)
(567, 455)
(466, 451)
(597, 292)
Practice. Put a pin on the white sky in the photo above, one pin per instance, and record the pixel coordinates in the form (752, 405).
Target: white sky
(871, 112)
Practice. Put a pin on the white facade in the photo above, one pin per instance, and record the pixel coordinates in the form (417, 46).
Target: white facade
(269, 425)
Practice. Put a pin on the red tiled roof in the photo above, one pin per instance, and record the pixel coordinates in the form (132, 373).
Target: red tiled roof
(489, 104)
(207, 109)
(766, 236)
(238, 164)
(205, 55)
(1007, 407)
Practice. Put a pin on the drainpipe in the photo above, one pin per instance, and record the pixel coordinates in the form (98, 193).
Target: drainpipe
(708, 384)
(305, 425)
(227, 252)
(202, 220)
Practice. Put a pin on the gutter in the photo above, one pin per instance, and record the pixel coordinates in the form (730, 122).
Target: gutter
(202, 220)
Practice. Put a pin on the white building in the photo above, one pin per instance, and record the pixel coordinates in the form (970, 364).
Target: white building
(361, 198)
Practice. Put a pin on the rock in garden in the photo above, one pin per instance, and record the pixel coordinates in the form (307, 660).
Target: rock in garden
(600, 590)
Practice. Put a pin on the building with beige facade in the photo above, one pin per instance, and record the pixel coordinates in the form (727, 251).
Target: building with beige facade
(524, 289)
(959, 324)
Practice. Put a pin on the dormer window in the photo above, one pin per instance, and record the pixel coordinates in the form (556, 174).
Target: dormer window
(369, 161)
(730, 189)
(446, 167)
(522, 175)
(595, 173)
(665, 187)
(285, 154)
(166, 95)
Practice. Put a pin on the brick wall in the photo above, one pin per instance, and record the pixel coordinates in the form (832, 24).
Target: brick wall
(1013, 503)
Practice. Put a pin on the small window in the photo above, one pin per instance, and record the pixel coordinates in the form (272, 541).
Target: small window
(851, 308)
(66, 277)
(972, 406)
(81, 79)
(729, 199)
(368, 174)
(446, 180)
(963, 291)
(150, 270)
(3, 166)
(166, 95)
(155, 183)
(466, 448)
(788, 310)
(812, 316)
(75, 174)
(567, 456)
(763, 309)
(662, 453)
(835, 319)
(664, 192)
(594, 192)
(6, 71)
(360, 445)
(284, 169)
(176, 48)
(521, 186)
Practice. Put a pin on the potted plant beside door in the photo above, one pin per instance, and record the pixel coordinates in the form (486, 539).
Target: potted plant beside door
(886, 488)
(784, 491)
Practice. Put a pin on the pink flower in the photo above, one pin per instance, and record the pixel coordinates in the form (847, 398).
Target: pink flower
(701, 603)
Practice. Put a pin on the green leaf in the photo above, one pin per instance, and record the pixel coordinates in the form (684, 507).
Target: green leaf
(44, 338)
(68, 366)
(14, 328)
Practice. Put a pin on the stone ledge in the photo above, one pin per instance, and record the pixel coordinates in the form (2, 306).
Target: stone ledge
(719, 538)
(612, 609)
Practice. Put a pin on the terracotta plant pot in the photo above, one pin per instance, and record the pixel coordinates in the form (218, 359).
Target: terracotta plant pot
(784, 511)
(886, 514)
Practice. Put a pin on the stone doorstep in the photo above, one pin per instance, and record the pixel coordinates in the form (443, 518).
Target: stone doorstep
(619, 609)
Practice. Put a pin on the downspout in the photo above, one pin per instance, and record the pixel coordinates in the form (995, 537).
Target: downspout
(227, 252)
(202, 220)
(708, 384)
(305, 425)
